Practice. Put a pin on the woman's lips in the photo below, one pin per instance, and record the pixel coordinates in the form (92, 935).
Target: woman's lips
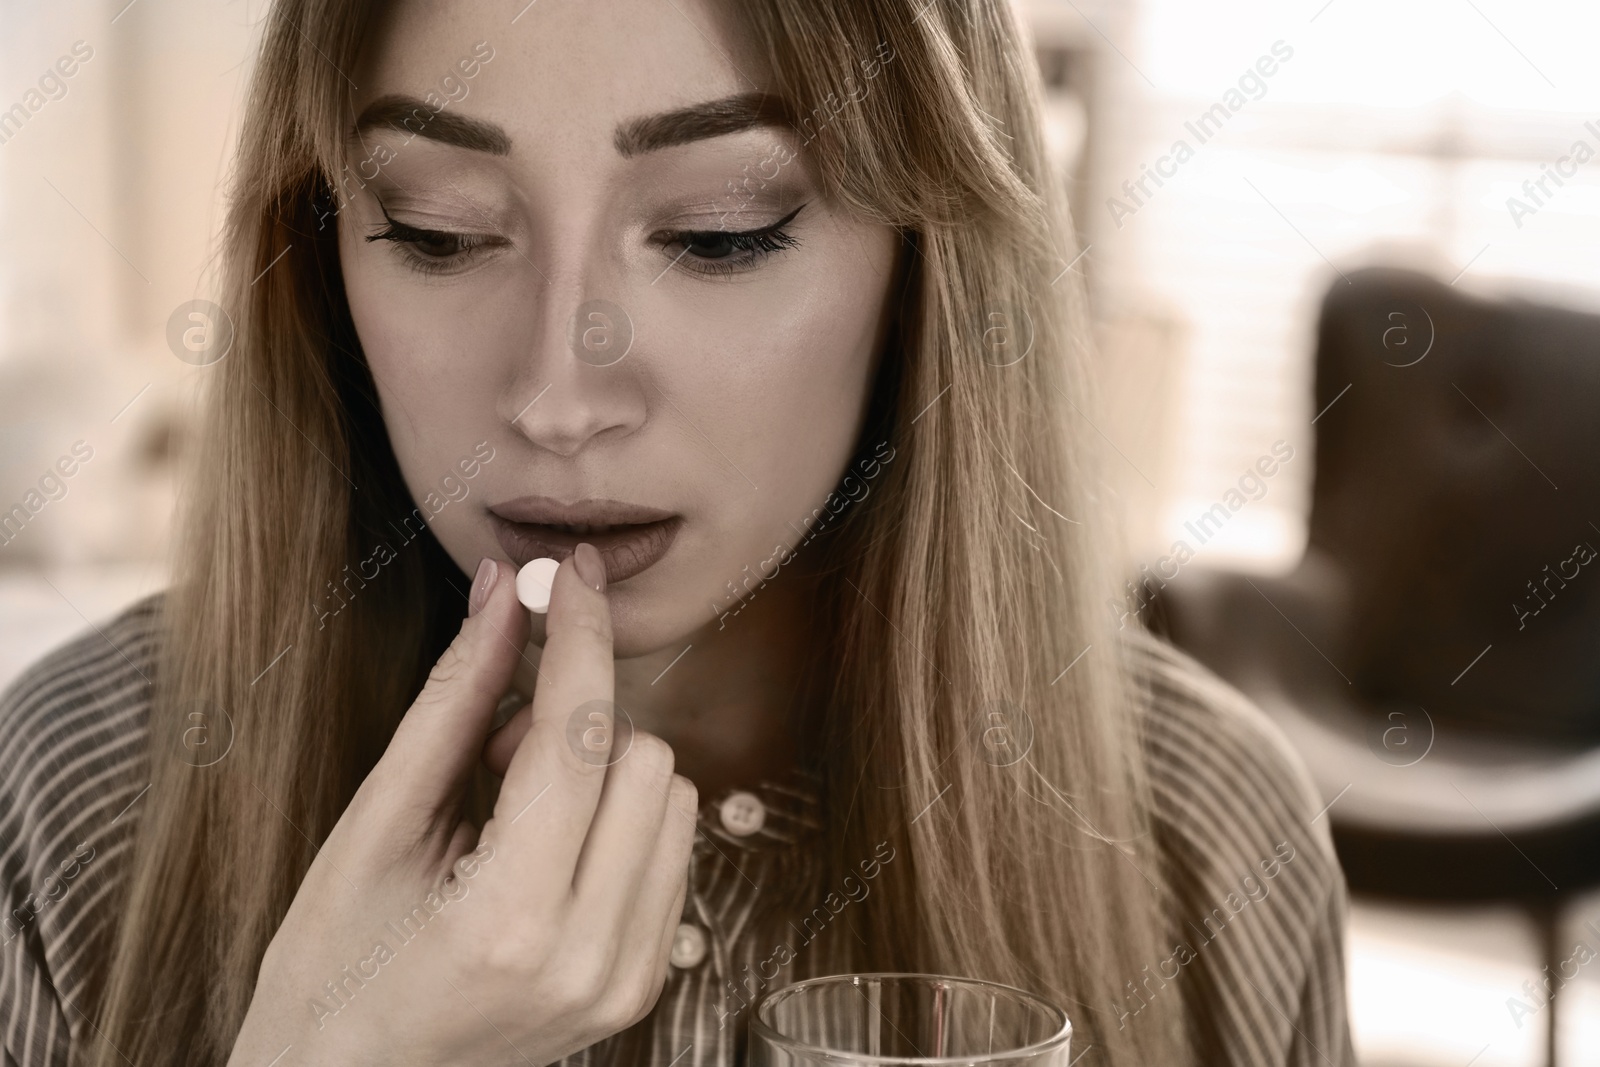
(625, 549)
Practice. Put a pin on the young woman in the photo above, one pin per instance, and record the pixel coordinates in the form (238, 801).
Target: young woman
(752, 315)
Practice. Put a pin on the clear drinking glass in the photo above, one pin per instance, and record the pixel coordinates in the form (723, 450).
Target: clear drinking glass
(859, 1019)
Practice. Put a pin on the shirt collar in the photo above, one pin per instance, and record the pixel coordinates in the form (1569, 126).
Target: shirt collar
(790, 803)
(790, 812)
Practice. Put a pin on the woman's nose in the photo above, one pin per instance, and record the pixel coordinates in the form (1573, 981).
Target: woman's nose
(579, 380)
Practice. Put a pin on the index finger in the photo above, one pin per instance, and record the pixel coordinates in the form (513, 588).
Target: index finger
(550, 793)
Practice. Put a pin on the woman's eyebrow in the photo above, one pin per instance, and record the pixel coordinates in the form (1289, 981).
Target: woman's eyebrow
(408, 114)
(714, 118)
(650, 133)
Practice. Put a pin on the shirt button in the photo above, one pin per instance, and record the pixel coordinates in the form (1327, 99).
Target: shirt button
(688, 946)
(743, 814)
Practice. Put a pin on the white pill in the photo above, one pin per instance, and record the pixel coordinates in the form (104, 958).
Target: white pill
(533, 584)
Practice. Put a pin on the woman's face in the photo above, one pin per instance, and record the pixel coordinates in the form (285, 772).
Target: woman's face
(581, 249)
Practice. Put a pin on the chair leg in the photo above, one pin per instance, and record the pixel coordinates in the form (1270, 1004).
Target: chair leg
(1547, 917)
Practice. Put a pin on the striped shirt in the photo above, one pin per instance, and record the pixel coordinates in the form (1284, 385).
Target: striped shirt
(1258, 897)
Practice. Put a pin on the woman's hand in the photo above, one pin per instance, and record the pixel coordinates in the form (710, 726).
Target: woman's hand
(417, 939)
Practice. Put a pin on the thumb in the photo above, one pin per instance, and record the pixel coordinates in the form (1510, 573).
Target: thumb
(502, 744)
(438, 742)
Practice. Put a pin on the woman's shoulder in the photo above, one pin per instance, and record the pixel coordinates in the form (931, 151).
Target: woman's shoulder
(94, 687)
(1258, 896)
(73, 763)
(1213, 755)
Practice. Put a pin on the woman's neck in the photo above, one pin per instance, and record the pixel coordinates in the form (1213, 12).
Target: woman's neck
(728, 706)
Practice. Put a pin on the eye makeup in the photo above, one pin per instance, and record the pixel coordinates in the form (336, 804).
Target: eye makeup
(433, 251)
(720, 251)
(711, 251)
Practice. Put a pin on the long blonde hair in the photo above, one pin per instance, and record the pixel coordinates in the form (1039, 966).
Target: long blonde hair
(973, 574)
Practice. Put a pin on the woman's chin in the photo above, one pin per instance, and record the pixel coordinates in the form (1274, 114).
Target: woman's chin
(638, 628)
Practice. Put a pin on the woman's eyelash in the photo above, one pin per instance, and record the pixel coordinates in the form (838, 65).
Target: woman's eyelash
(705, 251)
(430, 251)
(729, 251)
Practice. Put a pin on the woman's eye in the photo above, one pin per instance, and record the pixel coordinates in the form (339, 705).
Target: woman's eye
(711, 245)
(431, 251)
(434, 243)
(727, 251)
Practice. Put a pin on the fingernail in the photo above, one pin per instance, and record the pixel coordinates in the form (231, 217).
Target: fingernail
(591, 568)
(482, 585)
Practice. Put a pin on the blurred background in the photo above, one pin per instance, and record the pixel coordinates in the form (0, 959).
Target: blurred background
(1344, 261)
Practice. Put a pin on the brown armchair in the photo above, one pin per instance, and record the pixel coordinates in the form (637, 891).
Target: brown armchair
(1436, 655)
